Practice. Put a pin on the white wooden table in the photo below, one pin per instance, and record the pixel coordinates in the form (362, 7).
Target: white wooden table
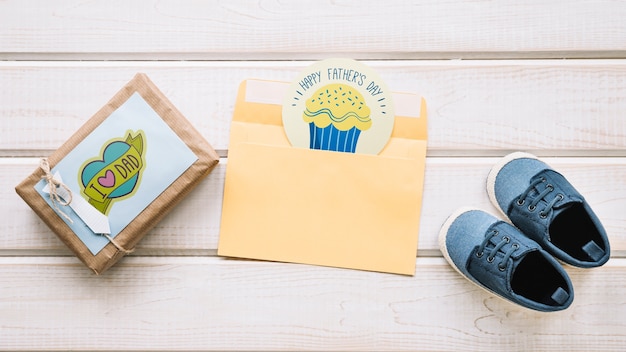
(547, 77)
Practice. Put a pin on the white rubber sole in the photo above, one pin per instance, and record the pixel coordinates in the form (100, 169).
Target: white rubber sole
(444, 231)
(444, 250)
(495, 170)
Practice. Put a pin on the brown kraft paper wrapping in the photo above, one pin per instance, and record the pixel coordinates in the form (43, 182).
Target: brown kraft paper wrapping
(157, 209)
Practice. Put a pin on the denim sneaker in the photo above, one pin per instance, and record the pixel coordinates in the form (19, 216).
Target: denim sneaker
(547, 208)
(499, 258)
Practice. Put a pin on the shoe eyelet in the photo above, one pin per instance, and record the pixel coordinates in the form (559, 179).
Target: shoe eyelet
(560, 197)
(490, 259)
(501, 267)
(543, 179)
(480, 254)
(506, 239)
(532, 207)
(520, 202)
(515, 246)
(543, 215)
(549, 185)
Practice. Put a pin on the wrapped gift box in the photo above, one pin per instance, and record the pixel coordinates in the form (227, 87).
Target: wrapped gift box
(119, 174)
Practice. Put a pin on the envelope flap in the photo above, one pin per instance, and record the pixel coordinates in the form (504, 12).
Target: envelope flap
(260, 102)
(265, 109)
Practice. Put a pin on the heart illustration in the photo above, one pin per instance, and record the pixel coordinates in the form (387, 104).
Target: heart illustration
(116, 174)
(111, 152)
(108, 180)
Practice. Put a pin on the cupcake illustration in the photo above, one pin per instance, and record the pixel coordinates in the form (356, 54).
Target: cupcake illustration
(336, 114)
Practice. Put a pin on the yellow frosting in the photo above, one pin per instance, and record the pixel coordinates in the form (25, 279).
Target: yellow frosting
(340, 105)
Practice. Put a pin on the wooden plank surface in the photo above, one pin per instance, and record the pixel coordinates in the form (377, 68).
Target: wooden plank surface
(172, 29)
(179, 303)
(193, 227)
(475, 107)
(60, 61)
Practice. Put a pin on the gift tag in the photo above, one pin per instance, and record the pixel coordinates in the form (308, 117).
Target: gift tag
(97, 222)
(339, 105)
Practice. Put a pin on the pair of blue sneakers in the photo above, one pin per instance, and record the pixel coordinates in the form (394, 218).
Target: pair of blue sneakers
(551, 220)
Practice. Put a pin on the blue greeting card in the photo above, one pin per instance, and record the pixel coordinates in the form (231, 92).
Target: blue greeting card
(121, 167)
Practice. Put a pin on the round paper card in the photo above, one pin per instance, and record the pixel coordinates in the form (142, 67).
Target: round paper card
(339, 105)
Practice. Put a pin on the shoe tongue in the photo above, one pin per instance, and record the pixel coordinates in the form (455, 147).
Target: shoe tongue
(557, 211)
(560, 296)
(594, 251)
(564, 205)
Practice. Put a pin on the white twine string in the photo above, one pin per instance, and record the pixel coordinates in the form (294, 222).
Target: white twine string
(53, 183)
(117, 245)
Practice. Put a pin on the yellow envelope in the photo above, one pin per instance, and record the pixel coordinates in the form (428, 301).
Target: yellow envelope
(289, 204)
